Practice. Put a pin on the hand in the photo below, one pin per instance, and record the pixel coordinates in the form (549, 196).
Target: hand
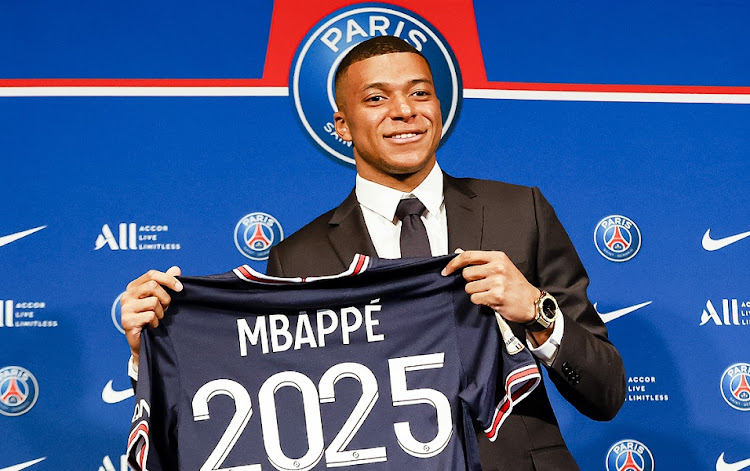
(144, 302)
(494, 281)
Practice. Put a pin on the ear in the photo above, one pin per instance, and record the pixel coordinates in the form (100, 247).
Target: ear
(342, 128)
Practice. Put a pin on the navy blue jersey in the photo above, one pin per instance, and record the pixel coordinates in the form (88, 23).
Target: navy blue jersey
(386, 366)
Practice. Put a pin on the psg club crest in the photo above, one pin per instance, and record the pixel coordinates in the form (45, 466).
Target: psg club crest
(256, 233)
(617, 238)
(735, 386)
(630, 455)
(18, 390)
(314, 66)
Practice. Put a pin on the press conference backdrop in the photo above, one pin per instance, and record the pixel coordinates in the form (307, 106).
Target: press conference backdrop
(138, 136)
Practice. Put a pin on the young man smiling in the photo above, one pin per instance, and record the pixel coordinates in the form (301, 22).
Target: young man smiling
(516, 250)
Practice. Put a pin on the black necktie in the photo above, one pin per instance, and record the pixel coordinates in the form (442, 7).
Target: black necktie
(414, 241)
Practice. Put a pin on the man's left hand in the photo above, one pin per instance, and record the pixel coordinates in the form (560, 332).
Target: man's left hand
(494, 281)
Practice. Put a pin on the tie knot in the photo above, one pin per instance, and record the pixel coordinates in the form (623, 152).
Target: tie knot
(409, 206)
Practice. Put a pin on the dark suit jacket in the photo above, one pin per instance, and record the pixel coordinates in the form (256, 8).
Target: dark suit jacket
(487, 215)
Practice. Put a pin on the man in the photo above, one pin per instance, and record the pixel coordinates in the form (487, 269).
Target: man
(513, 248)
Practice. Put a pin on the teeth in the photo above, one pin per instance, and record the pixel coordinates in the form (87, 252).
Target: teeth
(404, 136)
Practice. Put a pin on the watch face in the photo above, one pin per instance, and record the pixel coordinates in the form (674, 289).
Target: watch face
(548, 308)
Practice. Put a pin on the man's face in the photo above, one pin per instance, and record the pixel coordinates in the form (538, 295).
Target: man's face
(389, 110)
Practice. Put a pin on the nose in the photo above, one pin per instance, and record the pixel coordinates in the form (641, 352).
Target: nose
(401, 108)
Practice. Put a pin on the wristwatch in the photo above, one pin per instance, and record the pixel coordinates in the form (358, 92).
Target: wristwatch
(547, 311)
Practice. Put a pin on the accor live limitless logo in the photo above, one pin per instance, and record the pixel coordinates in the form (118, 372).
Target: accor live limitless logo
(733, 312)
(23, 314)
(132, 236)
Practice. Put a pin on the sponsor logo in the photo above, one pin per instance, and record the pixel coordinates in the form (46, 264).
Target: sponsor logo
(5, 240)
(256, 233)
(735, 386)
(18, 390)
(617, 238)
(108, 466)
(612, 315)
(629, 455)
(642, 389)
(319, 54)
(20, 466)
(711, 244)
(23, 314)
(733, 312)
(722, 465)
(132, 236)
(113, 396)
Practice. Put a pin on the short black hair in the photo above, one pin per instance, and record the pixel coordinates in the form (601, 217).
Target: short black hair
(377, 46)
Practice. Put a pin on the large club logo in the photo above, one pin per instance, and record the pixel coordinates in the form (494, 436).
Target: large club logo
(18, 390)
(629, 455)
(735, 386)
(314, 66)
(617, 238)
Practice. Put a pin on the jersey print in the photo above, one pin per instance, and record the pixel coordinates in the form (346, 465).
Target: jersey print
(386, 366)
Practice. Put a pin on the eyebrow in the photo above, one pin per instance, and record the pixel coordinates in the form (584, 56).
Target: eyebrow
(385, 85)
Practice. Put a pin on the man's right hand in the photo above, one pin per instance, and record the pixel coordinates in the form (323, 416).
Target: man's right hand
(144, 302)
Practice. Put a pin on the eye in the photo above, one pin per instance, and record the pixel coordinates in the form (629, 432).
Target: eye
(375, 98)
(421, 93)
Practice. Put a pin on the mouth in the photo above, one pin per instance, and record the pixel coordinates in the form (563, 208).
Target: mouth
(405, 137)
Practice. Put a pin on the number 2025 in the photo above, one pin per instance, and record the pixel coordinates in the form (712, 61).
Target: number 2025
(336, 454)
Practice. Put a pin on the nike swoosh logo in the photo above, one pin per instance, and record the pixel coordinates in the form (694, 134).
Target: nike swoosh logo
(716, 244)
(19, 467)
(610, 316)
(110, 396)
(722, 465)
(5, 240)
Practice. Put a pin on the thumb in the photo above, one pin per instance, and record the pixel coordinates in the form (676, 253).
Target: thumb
(174, 271)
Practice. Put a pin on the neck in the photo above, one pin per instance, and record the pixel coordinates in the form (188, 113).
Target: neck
(405, 182)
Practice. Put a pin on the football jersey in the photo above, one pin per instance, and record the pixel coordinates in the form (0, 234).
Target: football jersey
(386, 366)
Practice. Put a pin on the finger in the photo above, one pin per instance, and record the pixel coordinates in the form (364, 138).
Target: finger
(478, 272)
(131, 311)
(149, 289)
(479, 286)
(175, 271)
(135, 322)
(162, 278)
(471, 257)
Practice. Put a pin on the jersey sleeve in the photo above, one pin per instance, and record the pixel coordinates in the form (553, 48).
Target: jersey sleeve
(152, 442)
(499, 371)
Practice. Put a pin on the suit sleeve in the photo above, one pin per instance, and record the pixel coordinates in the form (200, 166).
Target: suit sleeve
(152, 443)
(588, 370)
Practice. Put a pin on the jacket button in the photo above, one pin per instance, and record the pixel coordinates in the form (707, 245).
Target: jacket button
(566, 367)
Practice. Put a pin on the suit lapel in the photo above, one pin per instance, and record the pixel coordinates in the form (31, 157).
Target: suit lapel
(465, 215)
(348, 234)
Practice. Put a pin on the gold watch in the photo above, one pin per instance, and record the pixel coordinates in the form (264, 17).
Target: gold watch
(547, 311)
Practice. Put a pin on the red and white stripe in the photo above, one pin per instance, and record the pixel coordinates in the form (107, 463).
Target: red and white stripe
(139, 435)
(359, 264)
(518, 385)
(485, 90)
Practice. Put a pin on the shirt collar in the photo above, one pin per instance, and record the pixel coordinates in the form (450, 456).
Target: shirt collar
(383, 200)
